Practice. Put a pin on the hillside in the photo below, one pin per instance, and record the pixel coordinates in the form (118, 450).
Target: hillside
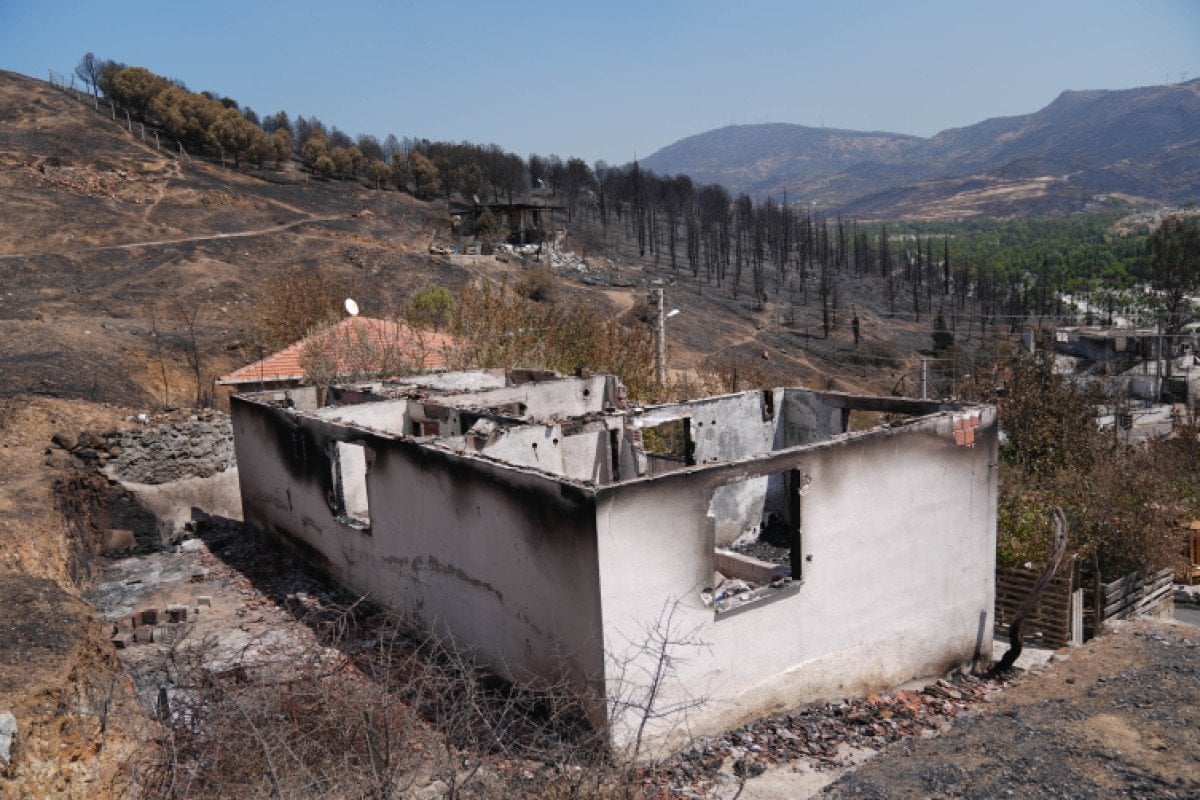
(111, 245)
(1137, 143)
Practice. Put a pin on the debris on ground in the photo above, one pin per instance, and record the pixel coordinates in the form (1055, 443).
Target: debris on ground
(822, 735)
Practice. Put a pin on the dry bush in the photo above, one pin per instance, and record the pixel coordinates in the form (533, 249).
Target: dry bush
(496, 327)
(375, 714)
(537, 284)
(349, 354)
(294, 305)
(1124, 504)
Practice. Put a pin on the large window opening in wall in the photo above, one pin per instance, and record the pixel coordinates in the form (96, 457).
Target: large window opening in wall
(669, 446)
(756, 538)
(350, 483)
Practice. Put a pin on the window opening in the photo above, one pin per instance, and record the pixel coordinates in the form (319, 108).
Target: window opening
(756, 538)
(350, 466)
(669, 446)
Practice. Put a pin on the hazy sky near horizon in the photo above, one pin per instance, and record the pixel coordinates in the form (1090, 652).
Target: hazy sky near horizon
(621, 78)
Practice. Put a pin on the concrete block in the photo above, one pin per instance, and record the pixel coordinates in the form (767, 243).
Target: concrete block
(121, 640)
(752, 570)
(148, 616)
(144, 635)
(176, 613)
(204, 600)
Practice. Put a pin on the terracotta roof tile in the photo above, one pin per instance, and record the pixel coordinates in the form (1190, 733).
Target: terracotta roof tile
(355, 346)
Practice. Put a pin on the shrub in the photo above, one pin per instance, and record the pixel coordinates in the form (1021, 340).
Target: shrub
(537, 284)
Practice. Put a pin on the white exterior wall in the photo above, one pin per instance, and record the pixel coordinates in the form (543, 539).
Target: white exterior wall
(899, 540)
(502, 561)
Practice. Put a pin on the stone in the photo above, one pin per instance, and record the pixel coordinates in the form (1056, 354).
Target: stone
(8, 734)
(204, 600)
(149, 616)
(63, 440)
(59, 459)
(118, 541)
(144, 634)
(176, 613)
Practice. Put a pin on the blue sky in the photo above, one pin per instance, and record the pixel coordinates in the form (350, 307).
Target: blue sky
(613, 79)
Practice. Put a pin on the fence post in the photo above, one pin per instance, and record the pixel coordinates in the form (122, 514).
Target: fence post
(128, 121)
(143, 130)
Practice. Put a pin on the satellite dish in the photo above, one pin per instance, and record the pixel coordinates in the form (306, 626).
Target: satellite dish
(351, 307)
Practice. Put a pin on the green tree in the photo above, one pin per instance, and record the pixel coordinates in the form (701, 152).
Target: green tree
(431, 307)
(137, 87)
(281, 146)
(425, 175)
(323, 166)
(343, 162)
(1174, 265)
(377, 172)
(232, 134)
(315, 148)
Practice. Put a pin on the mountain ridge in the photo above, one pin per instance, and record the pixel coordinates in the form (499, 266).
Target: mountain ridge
(1142, 142)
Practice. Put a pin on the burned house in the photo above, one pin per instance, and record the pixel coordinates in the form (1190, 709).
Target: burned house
(810, 544)
(525, 223)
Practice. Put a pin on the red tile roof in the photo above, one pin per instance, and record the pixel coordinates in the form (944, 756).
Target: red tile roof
(355, 347)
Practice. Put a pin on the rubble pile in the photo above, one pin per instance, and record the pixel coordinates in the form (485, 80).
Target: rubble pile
(83, 179)
(196, 446)
(816, 734)
(594, 271)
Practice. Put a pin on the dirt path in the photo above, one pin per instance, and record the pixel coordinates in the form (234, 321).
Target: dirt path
(182, 240)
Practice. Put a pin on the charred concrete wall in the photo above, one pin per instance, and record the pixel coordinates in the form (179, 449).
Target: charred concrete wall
(898, 541)
(498, 559)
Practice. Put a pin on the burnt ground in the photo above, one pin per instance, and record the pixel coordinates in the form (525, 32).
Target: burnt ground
(1118, 719)
(109, 243)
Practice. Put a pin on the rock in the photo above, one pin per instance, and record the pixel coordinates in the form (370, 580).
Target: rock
(118, 541)
(59, 459)
(63, 440)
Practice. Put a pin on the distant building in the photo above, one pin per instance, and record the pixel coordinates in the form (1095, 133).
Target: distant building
(526, 223)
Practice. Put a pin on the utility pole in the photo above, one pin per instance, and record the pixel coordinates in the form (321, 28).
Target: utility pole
(660, 339)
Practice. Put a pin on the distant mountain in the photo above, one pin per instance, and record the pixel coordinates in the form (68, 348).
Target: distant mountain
(1143, 143)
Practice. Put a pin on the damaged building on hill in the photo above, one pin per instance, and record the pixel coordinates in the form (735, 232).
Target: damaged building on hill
(798, 545)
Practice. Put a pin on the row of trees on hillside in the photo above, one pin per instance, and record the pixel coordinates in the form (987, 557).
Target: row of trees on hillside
(987, 273)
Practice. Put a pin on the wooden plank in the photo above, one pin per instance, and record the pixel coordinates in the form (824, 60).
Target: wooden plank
(1119, 605)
